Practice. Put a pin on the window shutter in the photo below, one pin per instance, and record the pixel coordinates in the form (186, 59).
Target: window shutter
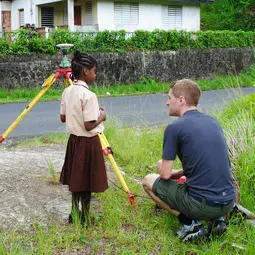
(126, 13)
(47, 16)
(172, 17)
(88, 13)
(21, 18)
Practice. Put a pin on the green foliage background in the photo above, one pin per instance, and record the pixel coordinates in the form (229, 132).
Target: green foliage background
(228, 15)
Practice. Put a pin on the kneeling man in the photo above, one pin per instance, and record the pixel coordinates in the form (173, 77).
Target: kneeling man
(198, 141)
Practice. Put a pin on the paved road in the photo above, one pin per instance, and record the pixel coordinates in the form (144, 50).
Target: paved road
(129, 110)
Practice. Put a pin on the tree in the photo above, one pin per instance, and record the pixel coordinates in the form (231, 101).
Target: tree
(228, 15)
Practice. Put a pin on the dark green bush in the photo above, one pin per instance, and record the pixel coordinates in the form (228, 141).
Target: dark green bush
(25, 42)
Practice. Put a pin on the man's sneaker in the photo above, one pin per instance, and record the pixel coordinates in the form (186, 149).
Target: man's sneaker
(193, 231)
(217, 227)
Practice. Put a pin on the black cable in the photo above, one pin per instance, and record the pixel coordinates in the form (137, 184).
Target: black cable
(125, 191)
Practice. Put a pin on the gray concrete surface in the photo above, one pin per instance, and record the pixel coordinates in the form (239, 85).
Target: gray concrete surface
(128, 110)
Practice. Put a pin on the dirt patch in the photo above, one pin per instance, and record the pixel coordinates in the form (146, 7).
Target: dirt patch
(26, 190)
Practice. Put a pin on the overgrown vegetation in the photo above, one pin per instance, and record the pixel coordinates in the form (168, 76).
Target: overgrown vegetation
(124, 230)
(25, 42)
(228, 15)
(146, 86)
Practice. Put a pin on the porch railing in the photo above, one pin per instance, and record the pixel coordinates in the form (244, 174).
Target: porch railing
(45, 32)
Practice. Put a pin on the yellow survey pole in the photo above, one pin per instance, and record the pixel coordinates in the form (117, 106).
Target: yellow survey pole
(46, 85)
(107, 151)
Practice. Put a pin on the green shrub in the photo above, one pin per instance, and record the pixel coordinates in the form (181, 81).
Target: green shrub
(25, 42)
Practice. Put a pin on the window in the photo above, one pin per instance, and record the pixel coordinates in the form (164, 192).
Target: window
(21, 18)
(88, 13)
(172, 17)
(126, 13)
(47, 16)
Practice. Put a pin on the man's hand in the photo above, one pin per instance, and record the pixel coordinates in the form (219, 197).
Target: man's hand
(166, 172)
(176, 174)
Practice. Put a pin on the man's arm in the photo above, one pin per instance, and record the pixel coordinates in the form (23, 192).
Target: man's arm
(165, 168)
(166, 171)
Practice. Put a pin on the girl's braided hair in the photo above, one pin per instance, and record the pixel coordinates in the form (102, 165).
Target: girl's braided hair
(79, 61)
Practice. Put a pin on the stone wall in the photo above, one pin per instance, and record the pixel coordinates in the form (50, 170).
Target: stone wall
(29, 71)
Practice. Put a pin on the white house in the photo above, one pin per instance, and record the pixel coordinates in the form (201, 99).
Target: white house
(98, 15)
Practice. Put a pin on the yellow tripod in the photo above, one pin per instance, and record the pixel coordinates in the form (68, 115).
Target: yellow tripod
(65, 71)
(108, 151)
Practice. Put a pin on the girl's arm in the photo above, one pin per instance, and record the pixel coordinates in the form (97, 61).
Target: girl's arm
(89, 125)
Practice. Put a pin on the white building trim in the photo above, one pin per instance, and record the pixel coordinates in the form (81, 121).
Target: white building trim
(70, 8)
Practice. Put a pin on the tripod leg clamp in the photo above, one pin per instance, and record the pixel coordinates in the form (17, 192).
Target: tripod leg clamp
(1, 139)
(108, 150)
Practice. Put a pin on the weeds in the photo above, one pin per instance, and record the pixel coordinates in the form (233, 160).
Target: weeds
(54, 176)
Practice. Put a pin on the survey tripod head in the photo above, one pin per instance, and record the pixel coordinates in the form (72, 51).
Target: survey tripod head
(64, 47)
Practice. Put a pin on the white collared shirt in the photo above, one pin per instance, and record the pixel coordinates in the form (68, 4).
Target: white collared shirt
(80, 105)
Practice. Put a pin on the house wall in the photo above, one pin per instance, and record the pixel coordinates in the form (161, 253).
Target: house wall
(6, 6)
(103, 13)
(29, 14)
(148, 11)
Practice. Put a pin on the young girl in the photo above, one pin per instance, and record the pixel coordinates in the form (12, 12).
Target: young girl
(84, 168)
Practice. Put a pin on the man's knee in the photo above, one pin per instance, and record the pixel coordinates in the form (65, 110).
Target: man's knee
(149, 180)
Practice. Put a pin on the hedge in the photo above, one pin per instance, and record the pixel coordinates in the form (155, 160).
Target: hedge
(26, 42)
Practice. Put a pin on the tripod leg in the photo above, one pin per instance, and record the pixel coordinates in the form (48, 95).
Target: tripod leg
(65, 83)
(70, 82)
(105, 145)
(46, 85)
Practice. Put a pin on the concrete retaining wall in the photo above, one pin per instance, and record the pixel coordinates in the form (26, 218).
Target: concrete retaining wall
(29, 71)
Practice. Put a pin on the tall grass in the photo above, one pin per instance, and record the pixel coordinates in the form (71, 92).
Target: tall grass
(238, 121)
(124, 230)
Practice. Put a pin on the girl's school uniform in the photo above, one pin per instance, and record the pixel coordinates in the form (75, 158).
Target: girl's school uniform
(84, 167)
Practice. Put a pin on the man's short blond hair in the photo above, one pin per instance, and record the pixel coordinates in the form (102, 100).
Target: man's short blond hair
(188, 89)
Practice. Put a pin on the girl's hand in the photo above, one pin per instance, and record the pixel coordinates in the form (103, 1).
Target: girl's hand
(102, 113)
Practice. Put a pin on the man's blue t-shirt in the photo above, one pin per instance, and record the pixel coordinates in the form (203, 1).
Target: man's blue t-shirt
(198, 140)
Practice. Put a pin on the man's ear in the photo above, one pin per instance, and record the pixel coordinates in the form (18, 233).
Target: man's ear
(182, 99)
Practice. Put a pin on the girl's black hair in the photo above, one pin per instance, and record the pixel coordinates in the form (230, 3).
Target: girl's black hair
(79, 61)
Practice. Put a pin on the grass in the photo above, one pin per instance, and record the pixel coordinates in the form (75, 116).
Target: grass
(146, 86)
(54, 177)
(124, 230)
